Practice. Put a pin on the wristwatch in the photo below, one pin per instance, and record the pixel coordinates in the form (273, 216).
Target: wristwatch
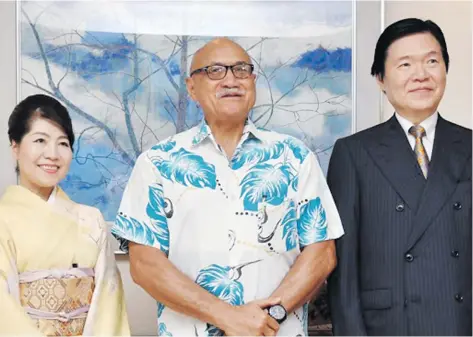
(278, 312)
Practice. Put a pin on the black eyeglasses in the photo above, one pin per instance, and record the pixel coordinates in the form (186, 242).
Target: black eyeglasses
(218, 72)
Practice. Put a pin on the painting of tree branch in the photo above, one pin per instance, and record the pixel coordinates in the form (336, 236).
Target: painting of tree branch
(126, 91)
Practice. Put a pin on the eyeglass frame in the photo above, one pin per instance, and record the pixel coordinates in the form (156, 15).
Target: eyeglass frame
(205, 69)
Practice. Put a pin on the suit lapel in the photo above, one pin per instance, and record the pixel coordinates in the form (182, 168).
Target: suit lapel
(393, 154)
(448, 159)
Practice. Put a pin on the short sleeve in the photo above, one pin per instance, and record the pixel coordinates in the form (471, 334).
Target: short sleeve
(317, 217)
(141, 217)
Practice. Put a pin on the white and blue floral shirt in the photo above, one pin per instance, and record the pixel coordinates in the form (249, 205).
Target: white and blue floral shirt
(234, 226)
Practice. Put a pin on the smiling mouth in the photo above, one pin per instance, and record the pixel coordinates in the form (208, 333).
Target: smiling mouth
(49, 168)
(422, 90)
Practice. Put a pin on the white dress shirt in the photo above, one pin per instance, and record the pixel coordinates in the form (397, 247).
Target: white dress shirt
(428, 124)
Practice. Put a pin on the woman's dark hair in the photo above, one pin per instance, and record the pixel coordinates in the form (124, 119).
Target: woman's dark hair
(38, 106)
(400, 29)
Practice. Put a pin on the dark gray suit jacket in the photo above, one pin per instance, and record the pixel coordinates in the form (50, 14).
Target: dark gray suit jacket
(404, 263)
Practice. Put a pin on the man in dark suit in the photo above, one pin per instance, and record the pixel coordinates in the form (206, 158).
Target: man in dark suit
(403, 190)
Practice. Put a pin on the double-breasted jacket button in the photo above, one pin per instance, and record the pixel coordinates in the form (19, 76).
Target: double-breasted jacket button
(457, 206)
(409, 257)
(400, 207)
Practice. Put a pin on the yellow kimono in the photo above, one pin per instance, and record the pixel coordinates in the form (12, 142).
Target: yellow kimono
(54, 258)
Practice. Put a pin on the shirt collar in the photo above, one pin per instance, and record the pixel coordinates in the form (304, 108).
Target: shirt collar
(203, 131)
(428, 124)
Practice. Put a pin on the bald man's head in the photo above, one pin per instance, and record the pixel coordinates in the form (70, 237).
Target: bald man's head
(223, 96)
(211, 48)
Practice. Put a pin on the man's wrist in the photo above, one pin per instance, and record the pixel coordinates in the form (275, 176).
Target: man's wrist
(220, 313)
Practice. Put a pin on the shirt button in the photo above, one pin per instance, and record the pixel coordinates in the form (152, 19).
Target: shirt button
(457, 206)
(459, 298)
(455, 253)
(400, 207)
(408, 257)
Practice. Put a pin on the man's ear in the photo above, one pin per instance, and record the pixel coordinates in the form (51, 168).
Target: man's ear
(190, 85)
(380, 82)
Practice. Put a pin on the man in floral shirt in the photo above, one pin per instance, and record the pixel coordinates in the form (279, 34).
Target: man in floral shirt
(229, 227)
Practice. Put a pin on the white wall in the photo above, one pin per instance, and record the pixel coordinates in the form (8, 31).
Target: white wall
(455, 20)
(7, 88)
(141, 308)
(368, 99)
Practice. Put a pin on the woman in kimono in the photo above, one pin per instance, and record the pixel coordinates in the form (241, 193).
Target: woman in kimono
(57, 273)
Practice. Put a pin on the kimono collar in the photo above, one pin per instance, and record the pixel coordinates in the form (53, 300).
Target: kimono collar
(52, 197)
(21, 195)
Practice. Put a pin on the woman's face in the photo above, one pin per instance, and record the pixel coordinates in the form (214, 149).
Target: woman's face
(43, 155)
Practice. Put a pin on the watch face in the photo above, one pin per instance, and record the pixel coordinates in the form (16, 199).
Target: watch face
(277, 312)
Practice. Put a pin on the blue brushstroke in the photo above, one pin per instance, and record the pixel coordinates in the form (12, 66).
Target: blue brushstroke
(94, 177)
(324, 60)
(174, 68)
(113, 54)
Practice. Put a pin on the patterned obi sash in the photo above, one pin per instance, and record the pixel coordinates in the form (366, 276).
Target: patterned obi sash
(58, 300)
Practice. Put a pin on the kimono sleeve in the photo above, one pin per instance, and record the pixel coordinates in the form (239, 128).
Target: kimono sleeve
(13, 318)
(317, 216)
(107, 314)
(141, 217)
